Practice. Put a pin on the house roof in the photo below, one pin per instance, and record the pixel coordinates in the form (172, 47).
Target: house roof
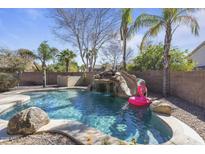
(197, 48)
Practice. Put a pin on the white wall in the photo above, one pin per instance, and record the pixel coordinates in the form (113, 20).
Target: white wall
(199, 56)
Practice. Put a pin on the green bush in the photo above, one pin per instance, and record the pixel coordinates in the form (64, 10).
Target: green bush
(152, 59)
(7, 81)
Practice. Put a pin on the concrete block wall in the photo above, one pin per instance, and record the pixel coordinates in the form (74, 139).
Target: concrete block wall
(36, 78)
(189, 86)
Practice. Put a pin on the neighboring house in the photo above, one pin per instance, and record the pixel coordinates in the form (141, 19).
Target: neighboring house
(198, 56)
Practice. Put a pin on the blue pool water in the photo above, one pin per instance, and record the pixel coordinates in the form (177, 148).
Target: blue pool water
(101, 111)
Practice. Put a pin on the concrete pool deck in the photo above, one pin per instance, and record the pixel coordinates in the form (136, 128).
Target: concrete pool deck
(9, 101)
(182, 133)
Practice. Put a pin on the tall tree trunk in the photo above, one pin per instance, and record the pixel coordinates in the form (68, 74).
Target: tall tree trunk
(44, 75)
(167, 44)
(114, 64)
(87, 65)
(91, 64)
(124, 52)
(67, 65)
(95, 58)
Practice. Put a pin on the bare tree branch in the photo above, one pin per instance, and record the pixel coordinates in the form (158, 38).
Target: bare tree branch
(87, 29)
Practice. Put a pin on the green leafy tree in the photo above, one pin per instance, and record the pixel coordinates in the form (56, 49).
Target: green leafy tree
(45, 54)
(74, 67)
(16, 61)
(152, 59)
(56, 67)
(26, 54)
(168, 21)
(59, 67)
(27, 57)
(66, 57)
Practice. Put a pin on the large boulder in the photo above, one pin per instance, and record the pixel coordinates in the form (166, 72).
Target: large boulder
(119, 83)
(124, 90)
(105, 75)
(161, 107)
(27, 121)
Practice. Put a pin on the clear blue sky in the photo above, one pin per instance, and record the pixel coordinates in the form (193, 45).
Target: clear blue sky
(27, 28)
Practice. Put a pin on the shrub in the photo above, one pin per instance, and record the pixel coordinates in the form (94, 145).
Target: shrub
(7, 81)
(152, 59)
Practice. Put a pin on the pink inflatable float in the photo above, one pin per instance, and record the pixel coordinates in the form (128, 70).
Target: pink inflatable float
(140, 99)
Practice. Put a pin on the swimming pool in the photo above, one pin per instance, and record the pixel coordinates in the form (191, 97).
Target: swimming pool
(99, 110)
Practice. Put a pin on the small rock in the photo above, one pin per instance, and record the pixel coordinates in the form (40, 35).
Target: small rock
(160, 107)
(27, 121)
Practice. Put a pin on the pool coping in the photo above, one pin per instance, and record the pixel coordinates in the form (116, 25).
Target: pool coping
(182, 134)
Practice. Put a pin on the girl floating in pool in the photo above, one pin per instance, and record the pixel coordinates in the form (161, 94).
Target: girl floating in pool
(141, 95)
(141, 88)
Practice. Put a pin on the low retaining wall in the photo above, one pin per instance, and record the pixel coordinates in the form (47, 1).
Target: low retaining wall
(189, 86)
(36, 78)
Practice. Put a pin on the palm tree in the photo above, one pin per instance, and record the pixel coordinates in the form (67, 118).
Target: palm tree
(126, 20)
(45, 53)
(66, 56)
(169, 20)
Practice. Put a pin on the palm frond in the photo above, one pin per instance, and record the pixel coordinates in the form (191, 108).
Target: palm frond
(126, 16)
(131, 31)
(125, 21)
(169, 13)
(189, 20)
(185, 11)
(152, 32)
(147, 20)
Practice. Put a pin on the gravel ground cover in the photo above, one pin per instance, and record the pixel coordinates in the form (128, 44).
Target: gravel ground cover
(45, 138)
(192, 115)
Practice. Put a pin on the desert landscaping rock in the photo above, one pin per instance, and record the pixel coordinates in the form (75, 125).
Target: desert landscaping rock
(161, 107)
(122, 84)
(120, 88)
(27, 121)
